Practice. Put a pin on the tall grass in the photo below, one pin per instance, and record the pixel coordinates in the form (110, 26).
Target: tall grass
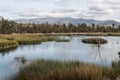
(55, 70)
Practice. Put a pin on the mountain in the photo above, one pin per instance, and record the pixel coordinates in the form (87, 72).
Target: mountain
(53, 20)
(1, 18)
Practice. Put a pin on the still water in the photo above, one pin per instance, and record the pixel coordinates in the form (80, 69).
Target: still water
(62, 51)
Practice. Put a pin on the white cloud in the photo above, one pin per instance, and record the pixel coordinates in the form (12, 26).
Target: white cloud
(54, 13)
(95, 9)
(106, 9)
(63, 2)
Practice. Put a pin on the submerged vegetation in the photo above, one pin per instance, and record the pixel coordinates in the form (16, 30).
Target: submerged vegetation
(94, 41)
(55, 70)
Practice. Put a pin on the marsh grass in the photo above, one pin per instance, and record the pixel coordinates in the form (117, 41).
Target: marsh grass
(9, 41)
(94, 40)
(7, 44)
(55, 70)
(62, 40)
(34, 40)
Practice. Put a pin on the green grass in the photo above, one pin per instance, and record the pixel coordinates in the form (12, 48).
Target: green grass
(9, 41)
(7, 44)
(94, 40)
(62, 40)
(34, 40)
(55, 70)
(86, 34)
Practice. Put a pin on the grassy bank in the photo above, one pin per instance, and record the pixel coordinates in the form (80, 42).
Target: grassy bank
(55, 70)
(7, 44)
(34, 39)
(85, 34)
(9, 41)
(94, 41)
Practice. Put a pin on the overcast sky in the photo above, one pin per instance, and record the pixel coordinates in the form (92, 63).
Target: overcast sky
(90, 9)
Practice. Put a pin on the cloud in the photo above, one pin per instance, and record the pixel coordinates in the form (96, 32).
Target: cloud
(103, 9)
(63, 11)
(5, 10)
(63, 2)
(95, 9)
(53, 13)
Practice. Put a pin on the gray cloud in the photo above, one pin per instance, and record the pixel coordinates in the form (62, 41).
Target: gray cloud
(52, 13)
(63, 2)
(63, 11)
(95, 9)
(5, 10)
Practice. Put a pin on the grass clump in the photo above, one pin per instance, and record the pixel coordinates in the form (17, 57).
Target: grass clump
(94, 41)
(55, 70)
(62, 40)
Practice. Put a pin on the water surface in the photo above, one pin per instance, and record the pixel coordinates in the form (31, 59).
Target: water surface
(63, 51)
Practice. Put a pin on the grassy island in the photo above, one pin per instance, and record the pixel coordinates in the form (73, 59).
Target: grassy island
(94, 40)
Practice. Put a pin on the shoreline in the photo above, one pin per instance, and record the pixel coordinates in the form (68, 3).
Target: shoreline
(69, 34)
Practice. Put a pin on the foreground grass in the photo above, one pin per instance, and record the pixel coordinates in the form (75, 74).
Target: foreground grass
(94, 40)
(55, 70)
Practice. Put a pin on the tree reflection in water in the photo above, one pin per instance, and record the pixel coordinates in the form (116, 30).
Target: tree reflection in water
(116, 64)
(96, 53)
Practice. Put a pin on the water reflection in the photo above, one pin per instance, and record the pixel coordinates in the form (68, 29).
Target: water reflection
(3, 52)
(116, 64)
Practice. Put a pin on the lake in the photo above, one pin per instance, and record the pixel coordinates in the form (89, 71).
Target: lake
(74, 50)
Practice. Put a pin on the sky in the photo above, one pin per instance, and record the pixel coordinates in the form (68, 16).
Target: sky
(88, 9)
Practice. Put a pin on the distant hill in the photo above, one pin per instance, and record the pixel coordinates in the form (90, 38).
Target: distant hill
(1, 18)
(53, 20)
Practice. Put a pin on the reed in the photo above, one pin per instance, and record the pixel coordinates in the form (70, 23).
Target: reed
(56, 70)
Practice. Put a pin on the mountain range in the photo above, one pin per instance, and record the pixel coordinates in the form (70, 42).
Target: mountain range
(67, 20)
(1, 17)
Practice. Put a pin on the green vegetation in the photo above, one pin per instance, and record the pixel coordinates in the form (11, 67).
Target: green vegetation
(7, 44)
(9, 27)
(55, 70)
(62, 40)
(34, 39)
(10, 41)
(94, 41)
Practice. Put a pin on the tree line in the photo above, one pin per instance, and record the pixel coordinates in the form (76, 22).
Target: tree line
(9, 27)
